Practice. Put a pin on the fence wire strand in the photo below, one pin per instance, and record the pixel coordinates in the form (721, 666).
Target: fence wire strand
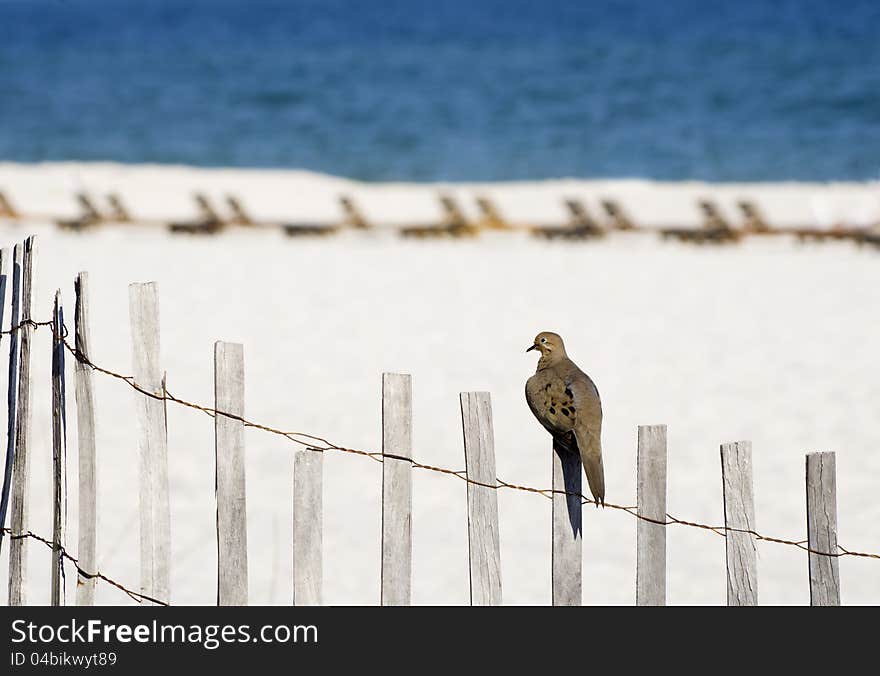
(316, 443)
(319, 444)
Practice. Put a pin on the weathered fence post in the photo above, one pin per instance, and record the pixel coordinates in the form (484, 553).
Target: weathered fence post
(651, 501)
(567, 514)
(482, 496)
(822, 529)
(4, 276)
(59, 446)
(87, 453)
(13, 383)
(396, 490)
(155, 513)
(739, 515)
(232, 564)
(308, 521)
(21, 461)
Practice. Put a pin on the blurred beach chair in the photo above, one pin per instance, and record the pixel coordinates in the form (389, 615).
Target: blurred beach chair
(754, 220)
(118, 212)
(714, 229)
(869, 236)
(239, 215)
(454, 223)
(490, 217)
(89, 215)
(617, 216)
(207, 223)
(6, 208)
(351, 218)
(581, 224)
(837, 232)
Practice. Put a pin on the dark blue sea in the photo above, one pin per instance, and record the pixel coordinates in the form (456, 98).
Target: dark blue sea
(449, 89)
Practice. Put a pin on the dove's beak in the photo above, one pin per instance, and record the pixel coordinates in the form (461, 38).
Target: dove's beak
(533, 347)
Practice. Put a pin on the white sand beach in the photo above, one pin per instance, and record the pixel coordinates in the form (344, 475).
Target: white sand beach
(768, 340)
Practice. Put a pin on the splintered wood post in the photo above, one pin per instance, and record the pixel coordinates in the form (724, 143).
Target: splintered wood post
(822, 529)
(567, 548)
(739, 515)
(4, 275)
(12, 384)
(155, 514)
(232, 564)
(87, 453)
(484, 546)
(21, 462)
(651, 500)
(59, 445)
(396, 489)
(308, 520)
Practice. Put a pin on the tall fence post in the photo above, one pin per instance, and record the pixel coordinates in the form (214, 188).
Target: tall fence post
(739, 518)
(59, 447)
(12, 384)
(566, 553)
(232, 563)
(396, 489)
(651, 500)
(308, 523)
(822, 529)
(484, 548)
(87, 451)
(155, 513)
(21, 462)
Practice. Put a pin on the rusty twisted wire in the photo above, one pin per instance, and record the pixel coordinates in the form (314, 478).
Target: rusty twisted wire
(316, 443)
(136, 596)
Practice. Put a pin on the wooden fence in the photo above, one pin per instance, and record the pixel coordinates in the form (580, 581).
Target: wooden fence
(485, 567)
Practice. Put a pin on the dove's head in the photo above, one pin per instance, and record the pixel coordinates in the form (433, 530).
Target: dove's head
(549, 344)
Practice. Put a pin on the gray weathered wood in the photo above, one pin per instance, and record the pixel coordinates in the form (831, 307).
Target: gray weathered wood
(21, 462)
(155, 514)
(12, 391)
(5, 255)
(59, 446)
(822, 529)
(739, 515)
(567, 547)
(651, 501)
(87, 450)
(396, 587)
(308, 520)
(484, 545)
(232, 562)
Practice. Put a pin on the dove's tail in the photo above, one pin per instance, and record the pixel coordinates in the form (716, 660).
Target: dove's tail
(590, 447)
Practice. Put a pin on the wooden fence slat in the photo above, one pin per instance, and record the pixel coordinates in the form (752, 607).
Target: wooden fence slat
(155, 515)
(232, 563)
(567, 515)
(483, 536)
(822, 529)
(12, 391)
(87, 449)
(4, 276)
(739, 513)
(21, 462)
(59, 446)
(651, 500)
(308, 523)
(396, 585)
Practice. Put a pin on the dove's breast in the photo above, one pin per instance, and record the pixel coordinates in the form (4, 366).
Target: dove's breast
(551, 401)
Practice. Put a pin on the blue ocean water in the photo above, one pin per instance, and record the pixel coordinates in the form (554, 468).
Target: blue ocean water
(449, 89)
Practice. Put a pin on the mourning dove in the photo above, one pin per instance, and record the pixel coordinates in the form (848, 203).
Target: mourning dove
(566, 402)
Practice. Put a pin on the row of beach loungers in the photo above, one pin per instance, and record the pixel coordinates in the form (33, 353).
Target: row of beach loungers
(715, 228)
